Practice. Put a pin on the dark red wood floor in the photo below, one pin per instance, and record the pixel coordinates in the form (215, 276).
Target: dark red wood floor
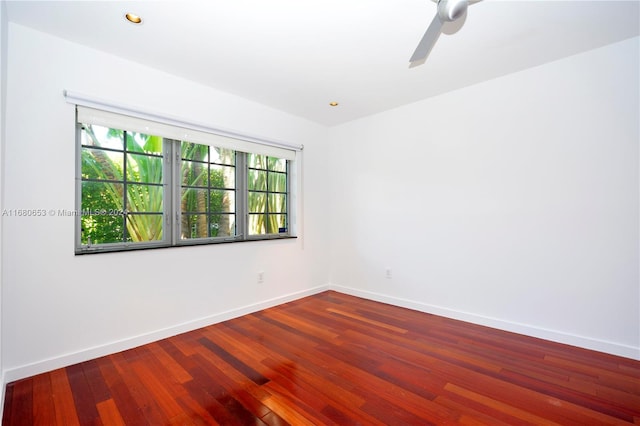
(336, 359)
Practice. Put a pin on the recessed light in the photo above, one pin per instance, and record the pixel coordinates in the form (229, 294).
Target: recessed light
(133, 18)
(333, 103)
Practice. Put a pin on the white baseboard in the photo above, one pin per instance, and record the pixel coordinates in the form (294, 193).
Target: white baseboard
(23, 371)
(526, 329)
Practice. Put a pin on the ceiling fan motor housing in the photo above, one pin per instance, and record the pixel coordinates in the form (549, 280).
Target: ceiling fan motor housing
(450, 10)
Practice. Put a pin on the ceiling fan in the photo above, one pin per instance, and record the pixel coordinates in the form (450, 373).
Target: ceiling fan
(448, 11)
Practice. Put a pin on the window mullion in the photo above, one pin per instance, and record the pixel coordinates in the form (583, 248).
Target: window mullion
(176, 181)
(125, 206)
(267, 219)
(242, 214)
(167, 194)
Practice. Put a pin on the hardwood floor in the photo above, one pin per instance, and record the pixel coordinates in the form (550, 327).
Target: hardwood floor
(336, 359)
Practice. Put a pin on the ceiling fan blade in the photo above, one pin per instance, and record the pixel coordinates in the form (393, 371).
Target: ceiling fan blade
(428, 40)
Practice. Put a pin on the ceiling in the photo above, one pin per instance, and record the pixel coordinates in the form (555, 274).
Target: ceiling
(299, 55)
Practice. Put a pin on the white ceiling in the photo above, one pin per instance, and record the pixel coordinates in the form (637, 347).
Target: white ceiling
(299, 55)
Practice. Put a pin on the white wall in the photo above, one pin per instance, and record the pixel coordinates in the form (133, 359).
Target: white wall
(511, 203)
(59, 308)
(3, 98)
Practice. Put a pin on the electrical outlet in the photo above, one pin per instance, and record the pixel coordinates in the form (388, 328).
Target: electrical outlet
(260, 277)
(388, 273)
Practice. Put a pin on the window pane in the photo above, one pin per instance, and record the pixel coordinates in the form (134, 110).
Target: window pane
(223, 225)
(143, 168)
(101, 229)
(277, 164)
(194, 226)
(194, 174)
(102, 197)
(277, 203)
(257, 180)
(222, 201)
(194, 151)
(257, 161)
(223, 156)
(101, 164)
(139, 142)
(207, 154)
(144, 198)
(223, 176)
(93, 135)
(260, 224)
(277, 182)
(257, 225)
(194, 200)
(277, 224)
(257, 202)
(144, 227)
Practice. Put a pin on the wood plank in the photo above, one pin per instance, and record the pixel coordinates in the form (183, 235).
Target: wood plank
(170, 364)
(22, 402)
(82, 396)
(367, 320)
(43, 407)
(472, 416)
(63, 400)
(99, 389)
(109, 413)
(7, 418)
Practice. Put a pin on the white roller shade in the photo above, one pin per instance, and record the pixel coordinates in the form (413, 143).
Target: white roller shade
(91, 111)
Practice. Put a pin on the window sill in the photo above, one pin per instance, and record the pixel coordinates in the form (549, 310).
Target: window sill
(136, 247)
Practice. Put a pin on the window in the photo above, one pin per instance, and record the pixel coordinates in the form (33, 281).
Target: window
(122, 187)
(140, 190)
(207, 191)
(268, 193)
